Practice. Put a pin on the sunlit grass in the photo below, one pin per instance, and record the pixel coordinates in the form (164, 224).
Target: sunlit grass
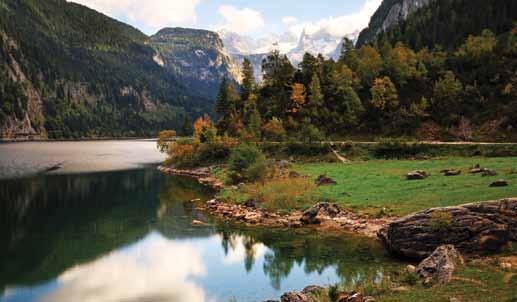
(373, 185)
(276, 194)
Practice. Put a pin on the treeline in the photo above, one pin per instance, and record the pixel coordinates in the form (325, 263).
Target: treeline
(383, 89)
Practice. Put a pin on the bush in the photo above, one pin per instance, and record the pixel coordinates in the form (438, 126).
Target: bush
(247, 163)
(392, 148)
(164, 138)
(274, 130)
(191, 152)
(307, 149)
(309, 133)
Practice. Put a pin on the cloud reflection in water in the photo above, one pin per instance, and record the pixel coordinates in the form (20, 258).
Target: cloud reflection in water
(156, 269)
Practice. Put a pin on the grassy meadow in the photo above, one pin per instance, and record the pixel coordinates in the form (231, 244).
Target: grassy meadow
(376, 184)
(379, 187)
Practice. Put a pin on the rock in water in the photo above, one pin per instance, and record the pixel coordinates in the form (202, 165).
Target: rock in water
(474, 228)
(440, 265)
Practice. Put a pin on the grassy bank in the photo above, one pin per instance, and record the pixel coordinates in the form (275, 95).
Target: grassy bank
(473, 282)
(378, 187)
(377, 184)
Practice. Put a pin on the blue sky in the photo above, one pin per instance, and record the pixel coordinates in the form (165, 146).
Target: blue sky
(247, 17)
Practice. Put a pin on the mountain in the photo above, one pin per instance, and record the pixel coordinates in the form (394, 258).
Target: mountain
(389, 14)
(427, 23)
(197, 57)
(320, 42)
(67, 71)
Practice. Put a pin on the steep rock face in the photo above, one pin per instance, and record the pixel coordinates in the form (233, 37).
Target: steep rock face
(389, 14)
(26, 108)
(196, 57)
(474, 228)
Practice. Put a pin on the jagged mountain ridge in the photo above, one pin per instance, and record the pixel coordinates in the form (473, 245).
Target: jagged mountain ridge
(321, 42)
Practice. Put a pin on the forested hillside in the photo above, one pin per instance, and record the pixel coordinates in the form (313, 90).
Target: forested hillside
(448, 22)
(68, 71)
(426, 23)
(386, 89)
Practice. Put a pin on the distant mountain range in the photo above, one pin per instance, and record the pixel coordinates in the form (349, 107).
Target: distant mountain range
(321, 42)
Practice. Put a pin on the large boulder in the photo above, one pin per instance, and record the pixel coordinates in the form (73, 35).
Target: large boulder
(320, 212)
(440, 265)
(474, 228)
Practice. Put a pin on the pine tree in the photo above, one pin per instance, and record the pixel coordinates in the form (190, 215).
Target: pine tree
(315, 100)
(224, 105)
(248, 80)
(186, 128)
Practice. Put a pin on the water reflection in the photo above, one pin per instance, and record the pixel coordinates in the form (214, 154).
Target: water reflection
(127, 236)
(156, 269)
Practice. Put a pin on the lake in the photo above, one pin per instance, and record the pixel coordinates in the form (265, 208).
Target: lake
(107, 226)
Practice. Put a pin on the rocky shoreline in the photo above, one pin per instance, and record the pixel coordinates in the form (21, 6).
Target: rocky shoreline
(440, 235)
(322, 216)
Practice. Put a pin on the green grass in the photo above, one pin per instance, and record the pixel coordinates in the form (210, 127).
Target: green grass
(471, 283)
(372, 185)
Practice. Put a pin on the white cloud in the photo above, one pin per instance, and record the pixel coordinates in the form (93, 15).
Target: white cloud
(150, 15)
(241, 21)
(339, 26)
(288, 20)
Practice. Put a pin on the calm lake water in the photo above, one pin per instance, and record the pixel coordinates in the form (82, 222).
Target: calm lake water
(126, 235)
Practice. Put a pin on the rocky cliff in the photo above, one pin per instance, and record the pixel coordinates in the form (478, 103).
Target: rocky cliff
(197, 57)
(389, 14)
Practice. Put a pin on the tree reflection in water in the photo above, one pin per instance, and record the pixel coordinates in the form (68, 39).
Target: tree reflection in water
(355, 259)
(51, 224)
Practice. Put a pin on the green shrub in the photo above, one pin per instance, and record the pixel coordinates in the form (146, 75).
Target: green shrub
(309, 133)
(247, 163)
(393, 148)
(307, 149)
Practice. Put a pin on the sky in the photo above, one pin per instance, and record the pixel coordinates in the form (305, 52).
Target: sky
(253, 18)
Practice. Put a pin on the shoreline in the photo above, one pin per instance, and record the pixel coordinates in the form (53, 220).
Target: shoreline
(324, 217)
(87, 139)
